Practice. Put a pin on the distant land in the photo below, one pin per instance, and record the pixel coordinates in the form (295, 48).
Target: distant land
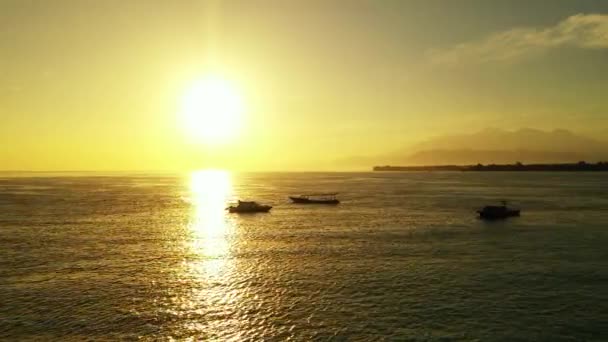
(580, 166)
(490, 146)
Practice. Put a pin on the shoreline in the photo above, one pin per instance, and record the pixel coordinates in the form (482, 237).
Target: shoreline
(565, 167)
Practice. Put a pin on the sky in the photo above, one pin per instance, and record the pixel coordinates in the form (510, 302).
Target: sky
(99, 85)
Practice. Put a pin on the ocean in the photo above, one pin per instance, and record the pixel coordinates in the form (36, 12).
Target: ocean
(92, 256)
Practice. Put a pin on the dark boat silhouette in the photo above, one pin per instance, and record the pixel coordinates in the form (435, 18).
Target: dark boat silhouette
(249, 207)
(320, 198)
(497, 212)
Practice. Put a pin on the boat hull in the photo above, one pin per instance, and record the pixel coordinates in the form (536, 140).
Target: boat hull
(498, 216)
(301, 200)
(262, 209)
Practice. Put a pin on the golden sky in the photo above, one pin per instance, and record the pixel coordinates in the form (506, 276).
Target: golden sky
(100, 85)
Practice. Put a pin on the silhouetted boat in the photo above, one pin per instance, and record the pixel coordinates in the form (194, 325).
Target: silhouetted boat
(496, 212)
(321, 198)
(249, 207)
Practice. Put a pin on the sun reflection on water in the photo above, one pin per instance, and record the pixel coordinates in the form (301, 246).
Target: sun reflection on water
(211, 228)
(224, 294)
(211, 271)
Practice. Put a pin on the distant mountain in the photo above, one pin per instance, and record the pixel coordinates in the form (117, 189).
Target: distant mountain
(467, 157)
(559, 140)
(493, 145)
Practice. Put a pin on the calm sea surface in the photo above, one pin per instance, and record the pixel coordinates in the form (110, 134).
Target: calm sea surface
(156, 257)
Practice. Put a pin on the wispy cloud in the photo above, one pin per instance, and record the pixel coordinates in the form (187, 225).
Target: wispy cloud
(589, 31)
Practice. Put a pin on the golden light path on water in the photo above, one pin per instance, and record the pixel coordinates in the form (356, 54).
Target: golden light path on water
(211, 270)
(211, 191)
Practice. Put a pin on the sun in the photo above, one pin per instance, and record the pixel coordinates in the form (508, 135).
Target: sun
(212, 110)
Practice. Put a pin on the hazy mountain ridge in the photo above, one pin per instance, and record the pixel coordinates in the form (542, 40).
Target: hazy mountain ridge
(468, 156)
(491, 145)
(559, 140)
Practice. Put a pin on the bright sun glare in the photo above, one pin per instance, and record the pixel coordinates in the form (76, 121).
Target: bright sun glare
(212, 110)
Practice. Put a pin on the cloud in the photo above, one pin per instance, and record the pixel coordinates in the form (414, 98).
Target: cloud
(587, 31)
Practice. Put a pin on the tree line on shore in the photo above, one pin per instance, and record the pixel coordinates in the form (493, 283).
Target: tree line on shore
(580, 166)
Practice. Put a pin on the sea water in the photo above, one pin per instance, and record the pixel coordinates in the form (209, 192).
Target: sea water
(157, 257)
